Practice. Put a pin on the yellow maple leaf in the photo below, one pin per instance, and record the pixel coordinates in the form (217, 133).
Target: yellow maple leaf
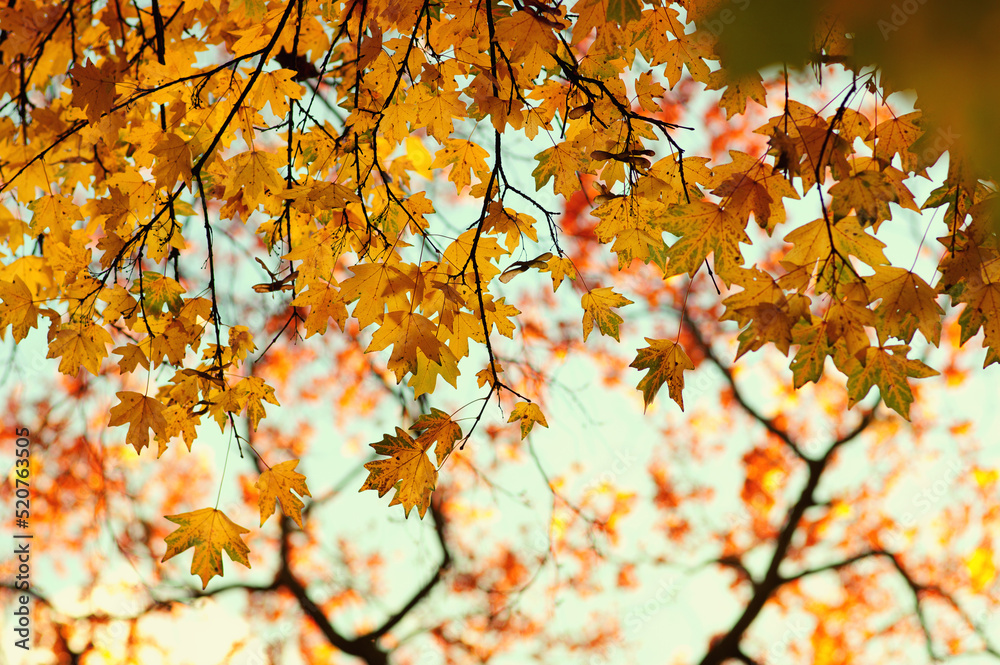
(528, 414)
(737, 90)
(255, 392)
(527, 31)
(704, 228)
(79, 345)
(159, 290)
(95, 88)
(463, 156)
(750, 186)
(132, 356)
(252, 172)
(457, 257)
(142, 413)
(629, 221)
(908, 304)
(666, 362)
(812, 242)
(276, 484)
(425, 378)
(597, 304)
(276, 88)
(407, 332)
(17, 308)
(866, 193)
(324, 304)
(180, 422)
(173, 160)
(394, 119)
(982, 310)
(372, 286)
(407, 470)
(559, 268)
(437, 427)
(895, 136)
(888, 368)
(438, 110)
(562, 162)
(209, 532)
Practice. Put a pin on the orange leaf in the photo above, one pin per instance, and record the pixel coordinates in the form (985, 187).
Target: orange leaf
(142, 414)
(209, 532)
(276, 485)
(440, 428)
(407, 470)
(79, 345)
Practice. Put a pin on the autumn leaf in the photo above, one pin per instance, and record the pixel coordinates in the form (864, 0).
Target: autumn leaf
(173, 161)
(277, 88)
(407, 470)
(528, 414)
(908, 304)
(812, 242)
(810, 358)
(251, 174)
(424, 380)
(276, 484)
(324, 304)
(17, 308)
(209, 532)
(597, 304)
(748, 186)
(624, 11)
(561, 162)
(736, 91)
(865, 193)
(982, 311)
(142, 414)
(437, 427)
(559, 269)
(666, 362)
(132, 357)
(888, 368)
(704, 228)
(463, 157)
(373, 286)
(79, 346)
(895, 136)
(254, 392)
(438, 110)
(631, 222)
(407, 332)
(95, 89)
(158, 290)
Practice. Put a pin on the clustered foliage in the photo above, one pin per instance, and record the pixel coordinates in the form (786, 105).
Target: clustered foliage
(133, 137)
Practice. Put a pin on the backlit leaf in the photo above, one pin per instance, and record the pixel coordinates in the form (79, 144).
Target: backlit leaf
(209, 532)
(277, 484)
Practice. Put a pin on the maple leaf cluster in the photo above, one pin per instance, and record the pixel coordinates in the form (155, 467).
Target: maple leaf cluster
(317, 133)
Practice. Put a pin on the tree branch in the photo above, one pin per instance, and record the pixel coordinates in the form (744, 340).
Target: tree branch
(439, 527)
(769, 424)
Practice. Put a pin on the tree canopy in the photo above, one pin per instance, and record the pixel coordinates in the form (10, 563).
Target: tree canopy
(197, 193)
